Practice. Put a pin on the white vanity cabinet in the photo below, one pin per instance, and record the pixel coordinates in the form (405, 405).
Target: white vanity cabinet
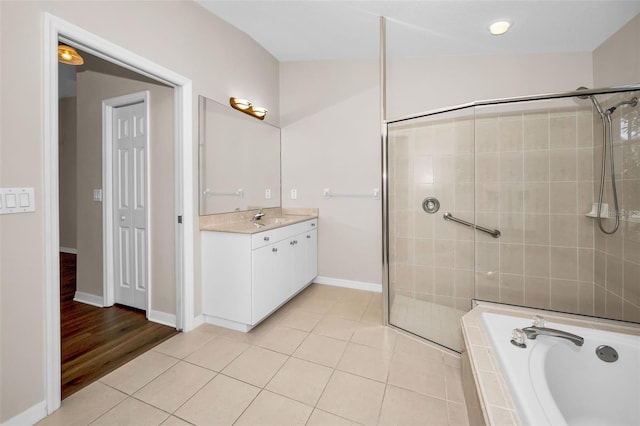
(245, 277)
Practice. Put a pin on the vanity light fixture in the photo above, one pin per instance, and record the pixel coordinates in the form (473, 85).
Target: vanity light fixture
(499, 27)
(247, 107)
(68, 55)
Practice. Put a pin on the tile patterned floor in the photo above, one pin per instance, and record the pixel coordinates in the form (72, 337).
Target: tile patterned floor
(322, 359)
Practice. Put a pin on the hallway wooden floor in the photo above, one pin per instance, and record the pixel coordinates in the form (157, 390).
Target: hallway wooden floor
(96, 341)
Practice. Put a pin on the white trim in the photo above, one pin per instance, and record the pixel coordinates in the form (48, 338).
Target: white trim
(161, 318)
(89, 299)
(57, 29)
(223, 322)
(357, 285)
(68, 250)
(198, 321)
(30, 416)
(108, 272)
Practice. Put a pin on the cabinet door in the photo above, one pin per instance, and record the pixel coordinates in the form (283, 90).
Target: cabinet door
(311, 238)
(271, 270)
(305, 259)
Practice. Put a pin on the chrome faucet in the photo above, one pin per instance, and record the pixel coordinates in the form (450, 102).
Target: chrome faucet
(535, 331)
(257, 216)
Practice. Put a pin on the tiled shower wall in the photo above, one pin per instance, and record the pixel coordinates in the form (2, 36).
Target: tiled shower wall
(535, 183)
(617, 256)
(537, 175)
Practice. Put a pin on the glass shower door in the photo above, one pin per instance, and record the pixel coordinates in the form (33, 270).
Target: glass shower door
(430, 172)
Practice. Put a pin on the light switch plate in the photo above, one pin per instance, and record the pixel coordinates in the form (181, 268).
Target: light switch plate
(17, 200)
(294, 194)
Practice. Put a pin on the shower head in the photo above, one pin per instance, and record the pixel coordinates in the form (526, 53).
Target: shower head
(595, 102)
(631, 102)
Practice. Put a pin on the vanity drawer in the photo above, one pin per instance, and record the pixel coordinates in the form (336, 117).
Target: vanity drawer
(265, 238)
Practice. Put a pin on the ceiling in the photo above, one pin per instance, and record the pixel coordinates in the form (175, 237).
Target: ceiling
(322, 29)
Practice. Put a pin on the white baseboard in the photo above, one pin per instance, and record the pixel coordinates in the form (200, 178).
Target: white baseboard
(221, 322)
(198, 321)
(68, 250)
(89, 299)
(30, 416)
(357, 285)
(162, 318)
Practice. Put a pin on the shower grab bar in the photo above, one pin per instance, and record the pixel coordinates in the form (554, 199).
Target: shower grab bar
(493, 232)
(238, 193)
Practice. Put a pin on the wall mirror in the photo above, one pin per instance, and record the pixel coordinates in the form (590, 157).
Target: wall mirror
(239, 160)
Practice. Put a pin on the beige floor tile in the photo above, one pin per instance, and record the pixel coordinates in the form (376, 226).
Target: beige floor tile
(217, 354)
(281, 339)
(183, 344)
(320, 349)
(365, 361)
(352, 397)
(175, 386)
(312, 304)
(453, 378)
(336, 327)
(271, 409)
(403, 407)
(457, 414)
(350, 309)
(175, 421)
(376, 336)
(300, 319)
(322, 418)
(301, 380)
(256, 366)
(137, 373)
(326, 292)
(419, 375)
(221, 401)
(373, 314)
(85, 406)
(132, 412)
(413, 346)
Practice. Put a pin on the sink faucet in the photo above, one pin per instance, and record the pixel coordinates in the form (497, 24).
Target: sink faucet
(535, 331)
(257, 216)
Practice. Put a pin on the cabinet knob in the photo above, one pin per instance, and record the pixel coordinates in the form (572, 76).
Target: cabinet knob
(308, 236)
(313, 224)
(274, 249)
(266, 238)
(291, 243)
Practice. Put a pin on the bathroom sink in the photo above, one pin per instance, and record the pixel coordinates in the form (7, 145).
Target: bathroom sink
(276, 220)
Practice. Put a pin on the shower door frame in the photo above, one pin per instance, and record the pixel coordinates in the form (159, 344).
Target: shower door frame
(385, 165)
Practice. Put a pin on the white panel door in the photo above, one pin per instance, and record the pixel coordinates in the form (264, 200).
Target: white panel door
(130, 205)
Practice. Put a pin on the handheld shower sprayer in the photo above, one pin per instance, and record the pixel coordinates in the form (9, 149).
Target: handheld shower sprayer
(607, 133)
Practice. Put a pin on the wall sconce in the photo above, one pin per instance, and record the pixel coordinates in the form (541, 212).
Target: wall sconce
(247, 107)
(68, 55)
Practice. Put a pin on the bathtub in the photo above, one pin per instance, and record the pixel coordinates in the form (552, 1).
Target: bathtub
(554, 382)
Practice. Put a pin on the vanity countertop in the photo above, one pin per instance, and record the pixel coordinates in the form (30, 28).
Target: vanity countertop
(241, 223)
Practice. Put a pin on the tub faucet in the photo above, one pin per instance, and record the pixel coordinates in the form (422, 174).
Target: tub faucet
(257, 216)
(534, 331)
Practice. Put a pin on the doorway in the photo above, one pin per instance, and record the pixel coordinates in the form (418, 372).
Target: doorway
(56, 29)
(105, 155)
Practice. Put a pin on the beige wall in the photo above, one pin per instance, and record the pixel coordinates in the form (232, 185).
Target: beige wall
(92, 88)
(67, 171)
(179, 35)
(331, 139)
(423, 84)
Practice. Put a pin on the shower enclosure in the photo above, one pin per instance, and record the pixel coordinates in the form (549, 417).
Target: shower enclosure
(499, 201)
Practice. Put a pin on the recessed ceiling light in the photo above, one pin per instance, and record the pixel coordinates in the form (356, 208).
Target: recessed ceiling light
(499, 27)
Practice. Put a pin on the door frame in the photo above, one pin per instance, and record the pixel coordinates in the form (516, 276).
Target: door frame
(108, 272)
(55, 29)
